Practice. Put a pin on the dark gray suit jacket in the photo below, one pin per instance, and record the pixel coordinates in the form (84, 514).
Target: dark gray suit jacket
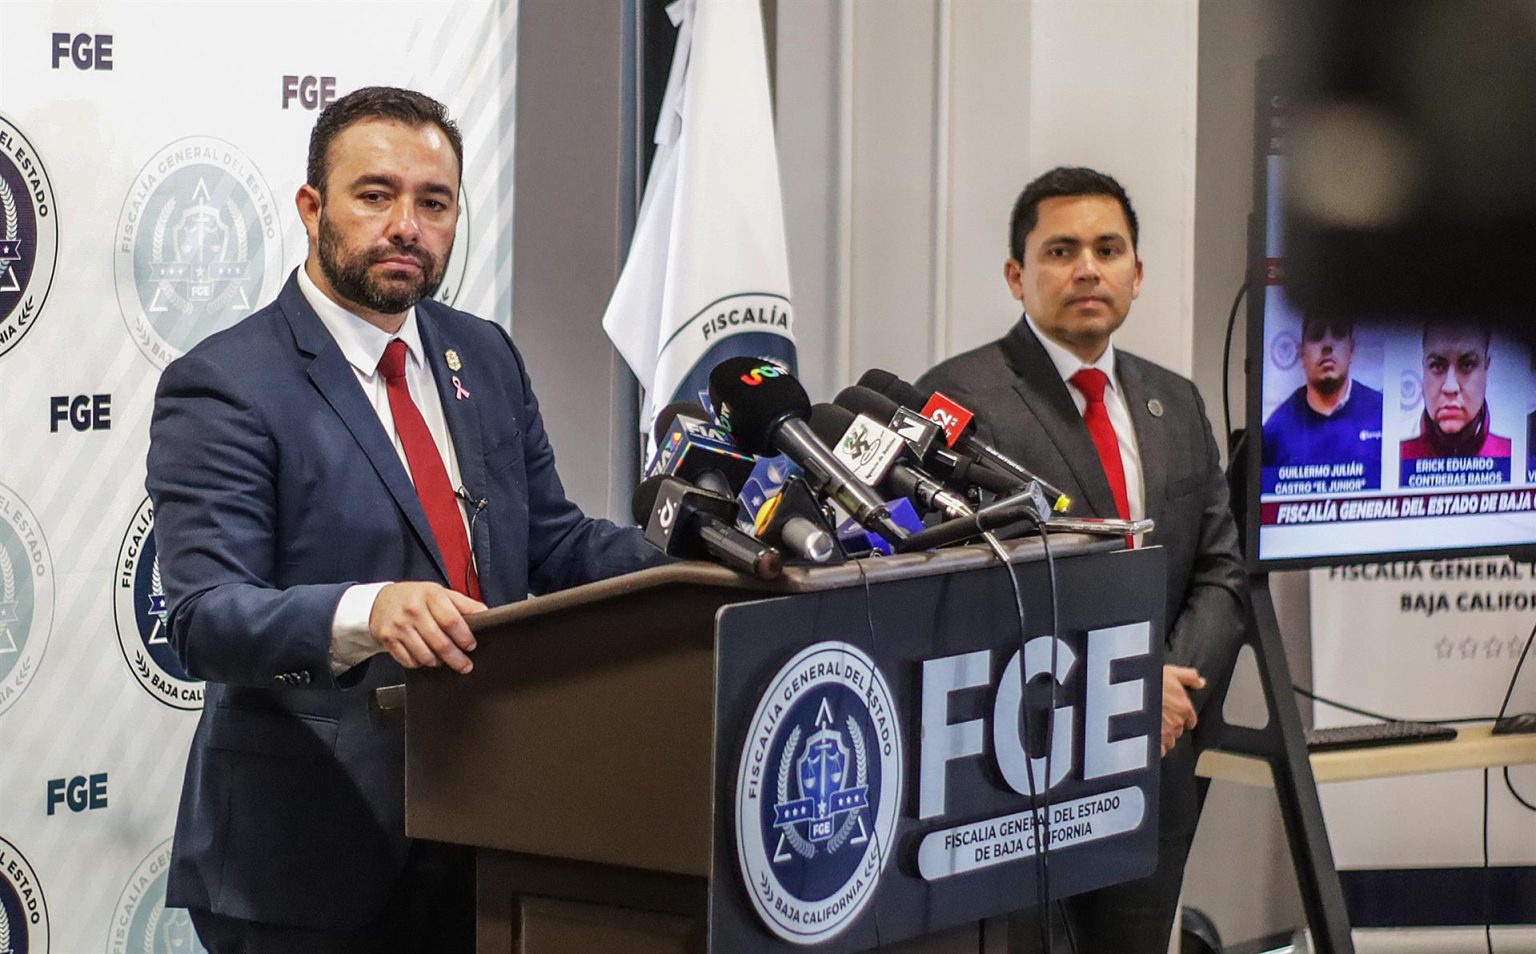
(1023, 408)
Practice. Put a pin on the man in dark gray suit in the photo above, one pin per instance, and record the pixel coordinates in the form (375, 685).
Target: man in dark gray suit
(1124, 438)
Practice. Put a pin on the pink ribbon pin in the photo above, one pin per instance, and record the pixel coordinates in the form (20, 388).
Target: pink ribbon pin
(459, 391)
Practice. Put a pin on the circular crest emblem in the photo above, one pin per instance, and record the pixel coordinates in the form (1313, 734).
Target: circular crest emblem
(198, 246)
(141, 923)
(817, 792)
(1410, 390)
(138, 603)
(23, 911)
(26, 598)
(29, 236)
(1285, 350)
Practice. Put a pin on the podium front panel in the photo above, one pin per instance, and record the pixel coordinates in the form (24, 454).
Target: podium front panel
(884, 760)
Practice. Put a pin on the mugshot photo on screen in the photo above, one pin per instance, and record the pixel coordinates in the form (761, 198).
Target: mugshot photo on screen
(1470, 389)
(1324, 434)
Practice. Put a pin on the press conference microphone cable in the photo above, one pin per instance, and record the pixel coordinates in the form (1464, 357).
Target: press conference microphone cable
(765, 409)
(965, 439)
(1032, 504)
(834, 424)
(683, 521)
(933, 455)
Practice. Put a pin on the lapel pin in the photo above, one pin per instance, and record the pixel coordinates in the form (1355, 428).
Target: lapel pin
(460, 392)
(1155, 407)
(452, 357)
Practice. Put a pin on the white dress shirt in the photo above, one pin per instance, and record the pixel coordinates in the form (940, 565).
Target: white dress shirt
(363, 344)
(1067, 364)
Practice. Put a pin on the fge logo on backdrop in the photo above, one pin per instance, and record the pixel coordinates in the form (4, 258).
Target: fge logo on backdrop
(29, 235)
(140, 612)
(199, 246)
(26, 597)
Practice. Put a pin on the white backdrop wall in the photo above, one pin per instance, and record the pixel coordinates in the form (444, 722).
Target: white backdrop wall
(908, 127)
(166, 148)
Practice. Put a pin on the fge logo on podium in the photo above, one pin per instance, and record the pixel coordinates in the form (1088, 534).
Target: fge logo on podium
(26, 598)
(818, 792)
(29, 236)
(199, 246)
(140, 612)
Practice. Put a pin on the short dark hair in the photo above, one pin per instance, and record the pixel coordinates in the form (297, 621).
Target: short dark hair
(1452, 325)
(1062, 182)
(1339, 323)
(376, 102)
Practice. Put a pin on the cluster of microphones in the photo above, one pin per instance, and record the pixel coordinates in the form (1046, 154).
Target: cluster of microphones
(769, 478)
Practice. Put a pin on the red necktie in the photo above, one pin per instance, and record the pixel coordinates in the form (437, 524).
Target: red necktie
(1092, 381)
(428, 474)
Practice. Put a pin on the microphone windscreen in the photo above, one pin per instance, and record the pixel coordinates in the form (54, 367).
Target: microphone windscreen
(643, 500)
(830, 422)
(668, 414)
(864, 400)
(752, 396)
(894, 388)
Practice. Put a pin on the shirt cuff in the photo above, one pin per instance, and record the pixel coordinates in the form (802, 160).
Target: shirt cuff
(351, 642)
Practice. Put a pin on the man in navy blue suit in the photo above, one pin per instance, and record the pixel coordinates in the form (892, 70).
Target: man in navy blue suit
(337, 481)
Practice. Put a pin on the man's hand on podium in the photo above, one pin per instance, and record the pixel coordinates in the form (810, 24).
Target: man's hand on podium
(422, 624)
(1178, 711)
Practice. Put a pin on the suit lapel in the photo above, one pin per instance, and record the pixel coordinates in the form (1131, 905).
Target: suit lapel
(463, 416)
(333, 377)
(1152, 437)
(1040, 385)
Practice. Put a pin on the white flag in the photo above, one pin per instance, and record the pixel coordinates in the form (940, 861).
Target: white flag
(707, 276)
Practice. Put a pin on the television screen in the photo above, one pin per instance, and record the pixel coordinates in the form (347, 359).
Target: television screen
(1376, 436)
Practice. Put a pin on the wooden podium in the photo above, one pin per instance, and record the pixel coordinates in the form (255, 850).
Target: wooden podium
(594, 753)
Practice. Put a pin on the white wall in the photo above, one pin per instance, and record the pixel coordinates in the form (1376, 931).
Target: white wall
(907, 127)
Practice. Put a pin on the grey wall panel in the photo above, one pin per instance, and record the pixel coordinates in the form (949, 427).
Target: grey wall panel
(570, 170)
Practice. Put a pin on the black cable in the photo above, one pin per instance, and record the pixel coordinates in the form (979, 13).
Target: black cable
(1042, 847)
(1509, 784)
(1050, 574)
(1509, 692)
(1226, 365)
(874, 828)
(1306, 693)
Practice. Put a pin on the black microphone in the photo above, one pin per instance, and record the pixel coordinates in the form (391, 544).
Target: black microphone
(476, 504)
(836, 425)
(922, 435)
(691, 446)
(765, 409)
(958, 422)
(683, 521)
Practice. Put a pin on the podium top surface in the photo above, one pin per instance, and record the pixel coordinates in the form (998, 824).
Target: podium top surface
(796, 579)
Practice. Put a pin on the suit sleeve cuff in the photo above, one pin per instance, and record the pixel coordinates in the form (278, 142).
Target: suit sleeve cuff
(351, 642)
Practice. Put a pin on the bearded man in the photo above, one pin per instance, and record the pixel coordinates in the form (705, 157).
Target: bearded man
(337, 481)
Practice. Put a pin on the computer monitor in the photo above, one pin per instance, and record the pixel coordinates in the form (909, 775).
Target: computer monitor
(1375, 436)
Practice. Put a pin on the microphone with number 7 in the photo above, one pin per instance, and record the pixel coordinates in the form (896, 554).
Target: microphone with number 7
(959, 428)
(767, 411)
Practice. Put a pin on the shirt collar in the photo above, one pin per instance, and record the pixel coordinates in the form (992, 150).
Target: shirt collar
(361, 342)
(1067, 363)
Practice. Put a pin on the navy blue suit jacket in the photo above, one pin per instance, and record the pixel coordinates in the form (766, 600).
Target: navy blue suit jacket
(275, 488)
